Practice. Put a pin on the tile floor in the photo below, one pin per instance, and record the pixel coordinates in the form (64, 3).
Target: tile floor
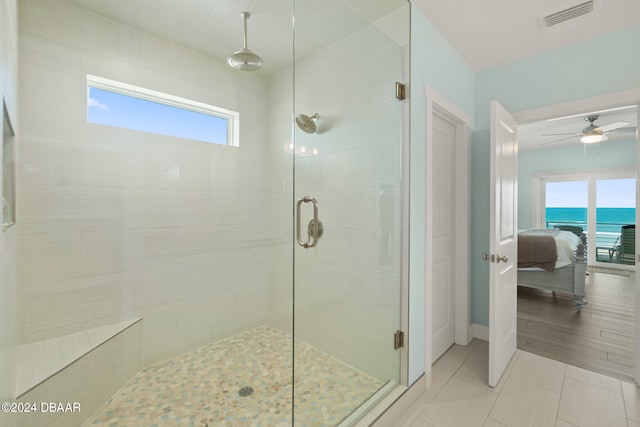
(534, 391)
(201, 388)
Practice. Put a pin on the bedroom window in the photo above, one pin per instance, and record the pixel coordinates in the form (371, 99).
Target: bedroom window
(566, 204)
(615, 220)
(126, 106)
(602, 204)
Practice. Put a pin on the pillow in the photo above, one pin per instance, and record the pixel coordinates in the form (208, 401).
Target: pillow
(566, 244)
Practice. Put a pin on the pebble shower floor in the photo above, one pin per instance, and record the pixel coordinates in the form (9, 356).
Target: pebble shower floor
(202, 387)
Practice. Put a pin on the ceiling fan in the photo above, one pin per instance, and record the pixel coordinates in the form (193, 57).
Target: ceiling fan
(593, 133)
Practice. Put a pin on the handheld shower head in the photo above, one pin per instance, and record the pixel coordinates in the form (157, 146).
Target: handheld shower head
(307, 124)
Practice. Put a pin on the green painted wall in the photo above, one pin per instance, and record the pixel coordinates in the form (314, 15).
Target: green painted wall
(551, 78)
(435, 63)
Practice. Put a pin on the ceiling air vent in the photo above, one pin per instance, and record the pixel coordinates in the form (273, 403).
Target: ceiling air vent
(567, 14)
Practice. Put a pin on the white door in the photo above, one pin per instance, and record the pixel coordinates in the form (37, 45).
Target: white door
(443, 293)
(503, 241)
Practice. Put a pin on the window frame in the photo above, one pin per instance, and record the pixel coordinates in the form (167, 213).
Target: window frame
(540, 180)
(539, 202)
(232, 117)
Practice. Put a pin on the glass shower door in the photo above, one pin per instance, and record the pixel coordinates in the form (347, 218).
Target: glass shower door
(349, 196)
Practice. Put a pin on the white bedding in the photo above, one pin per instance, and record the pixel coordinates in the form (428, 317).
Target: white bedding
(566, 244)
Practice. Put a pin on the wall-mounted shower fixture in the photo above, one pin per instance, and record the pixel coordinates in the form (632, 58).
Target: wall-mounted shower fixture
(244, 59)
(306, 123)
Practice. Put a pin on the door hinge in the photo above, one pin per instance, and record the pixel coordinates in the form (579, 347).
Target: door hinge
(401, 93)
(398, 340)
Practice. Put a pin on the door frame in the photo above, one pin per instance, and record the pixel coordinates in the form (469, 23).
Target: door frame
(596, 103)
(437, 103)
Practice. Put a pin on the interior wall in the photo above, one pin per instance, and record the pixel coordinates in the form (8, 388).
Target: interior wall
(8, 240)
(551, 78)
(609, 156)
(434, 62)
(119, 224)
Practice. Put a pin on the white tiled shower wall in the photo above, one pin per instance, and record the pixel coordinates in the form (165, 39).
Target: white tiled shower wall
(8, 239)
(197, 238)
(119, 224)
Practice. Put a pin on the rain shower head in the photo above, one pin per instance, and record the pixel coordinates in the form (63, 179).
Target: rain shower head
(244, 59)
(307, 124)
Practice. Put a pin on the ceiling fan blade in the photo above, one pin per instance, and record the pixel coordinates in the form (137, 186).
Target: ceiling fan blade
(560, 134)
(630, 129)
(558, 140)
(612, 126)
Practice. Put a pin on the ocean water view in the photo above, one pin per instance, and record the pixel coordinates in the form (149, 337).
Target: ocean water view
(608, 220)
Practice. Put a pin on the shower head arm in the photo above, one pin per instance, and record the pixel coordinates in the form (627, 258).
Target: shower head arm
(245, 15)
(244, 59)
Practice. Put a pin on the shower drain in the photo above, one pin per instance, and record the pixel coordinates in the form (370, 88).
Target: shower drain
(245, 391)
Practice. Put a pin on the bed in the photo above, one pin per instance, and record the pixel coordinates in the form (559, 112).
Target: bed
(554, 260)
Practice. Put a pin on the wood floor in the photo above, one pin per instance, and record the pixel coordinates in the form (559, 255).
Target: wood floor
(600, 339)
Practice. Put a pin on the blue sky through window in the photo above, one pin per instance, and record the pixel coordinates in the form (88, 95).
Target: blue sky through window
(610, 193)
(115, 109)
(616, 193)
(567, 194)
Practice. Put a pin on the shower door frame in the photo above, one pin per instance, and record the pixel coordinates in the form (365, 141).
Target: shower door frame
(301, 199)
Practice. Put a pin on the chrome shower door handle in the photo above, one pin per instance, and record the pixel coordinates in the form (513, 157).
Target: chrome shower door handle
(313, 234)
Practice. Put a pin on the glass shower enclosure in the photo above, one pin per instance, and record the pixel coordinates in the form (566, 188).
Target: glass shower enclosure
(349, 202)
(269, 269)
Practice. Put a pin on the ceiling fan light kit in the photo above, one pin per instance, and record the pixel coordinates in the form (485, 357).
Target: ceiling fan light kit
(592, 138)
(593, 133)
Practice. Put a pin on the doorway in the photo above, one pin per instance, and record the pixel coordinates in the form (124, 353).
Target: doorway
(594, 157)
(443, 235)
(447, 226)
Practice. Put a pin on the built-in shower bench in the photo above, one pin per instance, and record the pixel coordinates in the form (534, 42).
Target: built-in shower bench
(84, 367)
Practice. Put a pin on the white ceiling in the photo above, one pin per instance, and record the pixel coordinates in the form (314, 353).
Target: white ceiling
(485, 33)
(490, 33)
(215, 27)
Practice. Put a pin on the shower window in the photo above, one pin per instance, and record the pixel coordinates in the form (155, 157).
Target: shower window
(126, 106)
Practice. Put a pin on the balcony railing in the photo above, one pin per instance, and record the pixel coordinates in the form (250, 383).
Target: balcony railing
(607, 238)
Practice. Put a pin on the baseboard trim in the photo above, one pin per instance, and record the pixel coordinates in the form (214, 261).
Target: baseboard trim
(480, 332)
